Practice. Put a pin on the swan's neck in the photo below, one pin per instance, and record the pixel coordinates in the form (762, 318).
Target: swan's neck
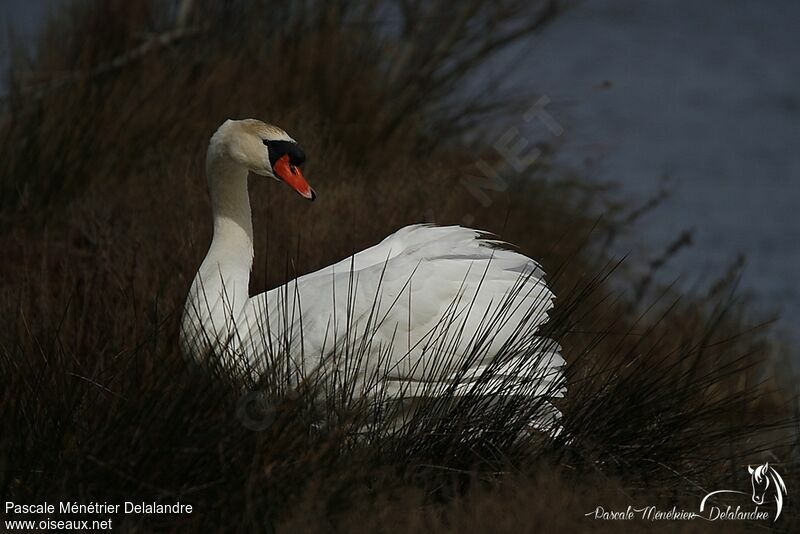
(230, 205)
(220, 289)
(230, 255)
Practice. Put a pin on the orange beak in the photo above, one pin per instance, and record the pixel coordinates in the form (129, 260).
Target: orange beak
(291, 175)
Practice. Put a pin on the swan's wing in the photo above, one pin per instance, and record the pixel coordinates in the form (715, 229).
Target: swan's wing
(401, 243)
(422, 289)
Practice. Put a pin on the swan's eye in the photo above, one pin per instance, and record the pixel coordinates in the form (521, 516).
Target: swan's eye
(277, 149)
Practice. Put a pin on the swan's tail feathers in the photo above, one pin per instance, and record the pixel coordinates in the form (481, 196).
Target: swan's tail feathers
(527, 381)
(535, 379)
(539, 374)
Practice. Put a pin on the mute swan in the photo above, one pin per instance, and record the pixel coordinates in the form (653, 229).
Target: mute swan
(435, 310)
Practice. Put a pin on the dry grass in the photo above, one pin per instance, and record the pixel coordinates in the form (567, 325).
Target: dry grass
(105, 218)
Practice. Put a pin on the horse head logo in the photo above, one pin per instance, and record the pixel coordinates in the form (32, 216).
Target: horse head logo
(767, 485)
(767, 482)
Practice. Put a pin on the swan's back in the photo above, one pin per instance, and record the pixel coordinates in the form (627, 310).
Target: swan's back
(426, 307)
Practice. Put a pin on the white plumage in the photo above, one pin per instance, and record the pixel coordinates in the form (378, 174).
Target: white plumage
(427, 311)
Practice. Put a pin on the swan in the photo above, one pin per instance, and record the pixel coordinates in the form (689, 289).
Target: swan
(428, 311)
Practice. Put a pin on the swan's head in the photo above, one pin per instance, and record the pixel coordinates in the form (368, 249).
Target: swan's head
(263, 149)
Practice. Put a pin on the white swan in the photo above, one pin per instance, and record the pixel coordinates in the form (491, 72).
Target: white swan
(430, 310)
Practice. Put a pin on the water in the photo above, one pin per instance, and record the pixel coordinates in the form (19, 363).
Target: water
(706, 93)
